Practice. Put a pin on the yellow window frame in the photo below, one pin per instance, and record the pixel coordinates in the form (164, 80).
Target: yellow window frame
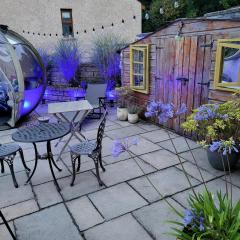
(144, 48)
(232, 87)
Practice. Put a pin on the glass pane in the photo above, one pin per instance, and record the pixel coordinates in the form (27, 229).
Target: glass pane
(7, 67)
(67, 30)
(231, 65)
(138, 81)
(138, 68)
(140, 56)
(5, 109)
(32, 70)
(135, 55)
(66, 14)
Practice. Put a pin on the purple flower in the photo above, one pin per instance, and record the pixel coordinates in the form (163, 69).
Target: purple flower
(120, 146)
(208, 112)
(182, 109)
(152, 109)
(188, 217)
(215, 146)
(201, 226)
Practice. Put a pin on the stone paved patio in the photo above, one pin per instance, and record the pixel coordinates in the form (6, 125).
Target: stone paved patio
(126, 207)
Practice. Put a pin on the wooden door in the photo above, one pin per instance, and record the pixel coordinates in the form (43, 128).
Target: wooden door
(183, 72)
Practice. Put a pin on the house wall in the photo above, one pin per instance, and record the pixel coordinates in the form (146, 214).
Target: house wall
(192, 57)
(30, 17)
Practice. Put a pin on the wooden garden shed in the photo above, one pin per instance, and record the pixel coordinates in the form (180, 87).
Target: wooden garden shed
(177, 63)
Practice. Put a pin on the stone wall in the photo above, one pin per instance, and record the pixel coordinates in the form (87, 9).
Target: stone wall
(59, 90)
(39, 21)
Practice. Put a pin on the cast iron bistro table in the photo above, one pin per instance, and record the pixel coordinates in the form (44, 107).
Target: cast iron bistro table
(43, 132)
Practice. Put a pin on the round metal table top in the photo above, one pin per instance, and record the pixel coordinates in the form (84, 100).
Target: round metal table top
(41, 133)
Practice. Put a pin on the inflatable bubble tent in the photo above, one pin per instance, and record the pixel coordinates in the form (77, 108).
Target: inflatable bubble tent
(22, 77)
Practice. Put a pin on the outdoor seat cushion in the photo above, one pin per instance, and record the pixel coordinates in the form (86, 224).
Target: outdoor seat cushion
(83, 148)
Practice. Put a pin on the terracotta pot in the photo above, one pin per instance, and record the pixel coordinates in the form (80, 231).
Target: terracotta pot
(133, 117)
(219, 162)
(122, 114)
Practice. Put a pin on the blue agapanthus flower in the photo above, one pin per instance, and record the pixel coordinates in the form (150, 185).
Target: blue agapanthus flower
(164, 111)
(208, 112)
(120, 146)
(193, 220)
(220, 146)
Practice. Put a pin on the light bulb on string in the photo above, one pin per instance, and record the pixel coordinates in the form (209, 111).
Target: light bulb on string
(147, 16)
(161, 10)
(176, 4)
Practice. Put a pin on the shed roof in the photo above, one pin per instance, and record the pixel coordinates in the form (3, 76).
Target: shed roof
(181, 20)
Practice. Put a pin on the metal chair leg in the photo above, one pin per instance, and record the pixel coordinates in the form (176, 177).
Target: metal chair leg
(73, 160)
(97, 173)
(7, 225)
(10, 164)
(100, 161)
(23, 160)
(79, 163)
(2, 165)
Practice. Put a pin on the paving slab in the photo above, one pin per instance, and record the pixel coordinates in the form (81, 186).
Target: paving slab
(213, 186)
(144, 146)
(47, 194)
(193, 171)
(107, 146)
(117, 200)
(120, 172)
(125, 132)
(20, 209)
(200, 155)
(156, 135)
(147, 126)
(84, 183)
(4, 233)
(84, 213)
(110, 159)
(145, 189)
(170, 181)
(122, 228)
(154, 218)
(160, 159)
(11, 195)
(43, 173)
(59, 225)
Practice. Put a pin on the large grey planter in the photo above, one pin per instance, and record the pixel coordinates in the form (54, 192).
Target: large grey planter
(219, 162)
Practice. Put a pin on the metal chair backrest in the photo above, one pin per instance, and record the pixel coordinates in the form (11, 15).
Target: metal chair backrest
(94, 92)
(101, 131)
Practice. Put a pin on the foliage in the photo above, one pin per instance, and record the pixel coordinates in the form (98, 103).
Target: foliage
(217, 125)
(106, 58)
(123, 95)
(164, 111)
(209, 219)
(67, 58)
(133, 109)
(187, 8)
(46, 58)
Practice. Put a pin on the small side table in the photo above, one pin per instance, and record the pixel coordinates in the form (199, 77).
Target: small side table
(43, 132)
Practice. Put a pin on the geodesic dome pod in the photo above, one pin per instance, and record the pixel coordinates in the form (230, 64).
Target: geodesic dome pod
(22, 77)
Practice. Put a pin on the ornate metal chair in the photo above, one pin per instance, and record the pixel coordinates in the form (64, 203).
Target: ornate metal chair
(92, 149)
(7, 154)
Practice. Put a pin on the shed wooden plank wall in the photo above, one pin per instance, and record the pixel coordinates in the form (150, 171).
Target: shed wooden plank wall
(192, 58)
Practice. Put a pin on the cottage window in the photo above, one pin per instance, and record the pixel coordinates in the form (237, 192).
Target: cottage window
(227, 69)
(67, 22)
(139, 68)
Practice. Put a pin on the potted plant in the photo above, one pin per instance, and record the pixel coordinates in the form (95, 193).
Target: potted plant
(122, 95)
(217, 126)
(133, 111)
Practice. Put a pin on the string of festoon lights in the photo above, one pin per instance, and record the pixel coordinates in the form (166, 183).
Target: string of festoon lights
(85, 31)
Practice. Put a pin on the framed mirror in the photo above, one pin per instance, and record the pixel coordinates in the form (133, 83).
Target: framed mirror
(227, 68)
